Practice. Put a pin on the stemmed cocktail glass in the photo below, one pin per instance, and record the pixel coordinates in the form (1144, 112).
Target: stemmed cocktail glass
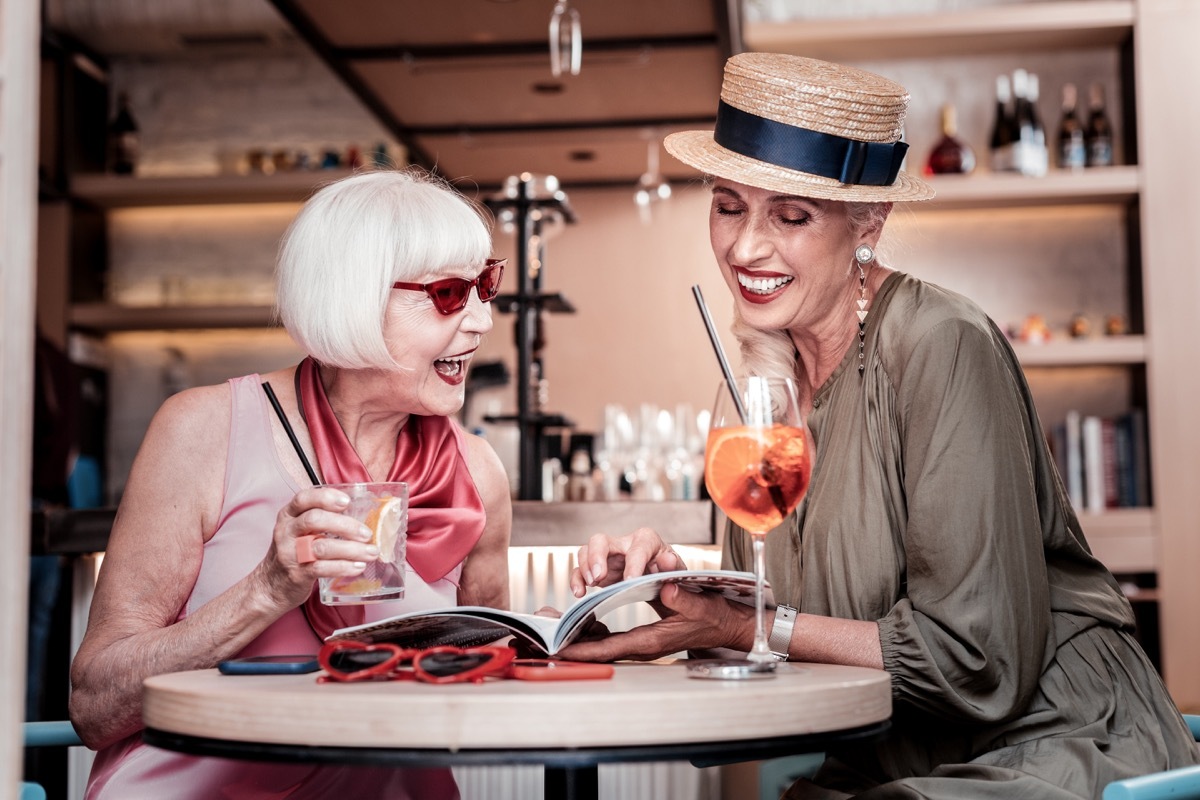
(757, 464)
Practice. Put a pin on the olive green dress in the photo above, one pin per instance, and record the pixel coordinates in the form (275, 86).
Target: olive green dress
(936, 510)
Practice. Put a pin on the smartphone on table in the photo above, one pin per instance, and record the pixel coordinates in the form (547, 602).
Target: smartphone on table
(541, 669)
(270, 665)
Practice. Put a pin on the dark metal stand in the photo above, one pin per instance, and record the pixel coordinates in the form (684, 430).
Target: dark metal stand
(530, 209)
(571, 773)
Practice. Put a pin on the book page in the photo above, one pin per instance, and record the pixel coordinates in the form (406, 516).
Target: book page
(462, 626)
(732, 585)
(469, 626)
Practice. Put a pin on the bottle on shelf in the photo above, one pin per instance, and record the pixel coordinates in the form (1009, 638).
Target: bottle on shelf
(1040, 153)
(1004, 128)
(1098, 132)
(580, 486)
(123, 138)
(1029, 153)
(951, 155)
(1072, 152)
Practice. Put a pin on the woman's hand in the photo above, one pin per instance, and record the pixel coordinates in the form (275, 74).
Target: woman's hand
(606, 560)
(300, 551)
(692, 621)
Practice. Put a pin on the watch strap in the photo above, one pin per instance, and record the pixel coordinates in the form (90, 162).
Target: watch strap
(781, 632)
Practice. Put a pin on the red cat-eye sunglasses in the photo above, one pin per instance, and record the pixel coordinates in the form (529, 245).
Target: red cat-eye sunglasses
(450, 295)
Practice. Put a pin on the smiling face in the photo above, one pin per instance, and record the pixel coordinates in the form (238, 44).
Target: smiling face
(785, 258)
(433, 351)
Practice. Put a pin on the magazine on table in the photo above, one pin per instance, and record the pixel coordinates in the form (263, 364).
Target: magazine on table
(469, 626)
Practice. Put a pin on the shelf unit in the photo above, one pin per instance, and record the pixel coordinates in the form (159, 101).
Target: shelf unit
(1112, 185)
(1001, 29)
(1153, 40)
(109, 192)
(126, 191)
(109, 318)
(1130, 350)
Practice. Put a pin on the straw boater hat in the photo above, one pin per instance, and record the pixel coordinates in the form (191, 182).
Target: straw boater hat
(806, 127)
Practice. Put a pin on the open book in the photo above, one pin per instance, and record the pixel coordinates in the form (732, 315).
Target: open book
(469, 626)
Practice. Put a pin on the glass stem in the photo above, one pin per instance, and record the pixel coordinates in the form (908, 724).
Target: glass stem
(761, 653)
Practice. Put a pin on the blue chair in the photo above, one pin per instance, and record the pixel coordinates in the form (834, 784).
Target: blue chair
(777, 774)
(57, 733)
(1172, 784)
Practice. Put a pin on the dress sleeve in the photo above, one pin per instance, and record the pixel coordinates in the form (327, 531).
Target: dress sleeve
(970, 636)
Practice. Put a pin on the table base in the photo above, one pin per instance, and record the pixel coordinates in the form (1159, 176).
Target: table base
(570, 773)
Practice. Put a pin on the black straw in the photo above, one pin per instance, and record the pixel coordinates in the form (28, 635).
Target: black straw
(287, 426)
(720, 351)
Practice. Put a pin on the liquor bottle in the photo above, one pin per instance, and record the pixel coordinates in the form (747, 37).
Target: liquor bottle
(1072, 153)
(123, 138)
(1004, 128)
(1039, 157)
(950, 155)
(1023, 125)
(1098, 133)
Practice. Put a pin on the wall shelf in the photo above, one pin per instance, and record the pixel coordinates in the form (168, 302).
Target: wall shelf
(122, 191)
(1124, 539)
(1024, 28)
(1104, 185)
(1083, 352)
(111, 318)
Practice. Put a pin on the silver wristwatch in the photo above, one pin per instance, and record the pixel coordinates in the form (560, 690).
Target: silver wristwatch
(781, 632)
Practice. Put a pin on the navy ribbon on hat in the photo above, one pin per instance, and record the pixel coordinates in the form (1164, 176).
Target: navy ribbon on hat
(804, 150)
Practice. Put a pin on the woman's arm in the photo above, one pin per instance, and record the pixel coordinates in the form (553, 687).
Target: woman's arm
(169, 509)
(484, 580)
(968, 640)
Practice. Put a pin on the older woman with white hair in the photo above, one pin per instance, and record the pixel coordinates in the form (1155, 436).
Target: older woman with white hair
(936, 541)
(384, 281)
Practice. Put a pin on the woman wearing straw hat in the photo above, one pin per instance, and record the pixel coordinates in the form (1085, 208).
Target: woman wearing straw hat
(383, 279)
(936, 541)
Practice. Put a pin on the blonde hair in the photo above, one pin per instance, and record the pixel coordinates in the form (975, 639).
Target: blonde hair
(352, 240)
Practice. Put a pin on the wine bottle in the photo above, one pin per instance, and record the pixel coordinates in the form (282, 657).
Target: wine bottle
(1039, 154)
(950, 155)
(1004, 133)
(123, 138)
(1098, 133)
(1072, 153)
(1023, 146)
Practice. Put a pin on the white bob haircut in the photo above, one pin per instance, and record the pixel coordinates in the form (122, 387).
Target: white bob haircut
(355, 238)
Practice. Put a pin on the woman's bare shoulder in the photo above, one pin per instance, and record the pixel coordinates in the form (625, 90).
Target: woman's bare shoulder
(491, 480)
(184, 451)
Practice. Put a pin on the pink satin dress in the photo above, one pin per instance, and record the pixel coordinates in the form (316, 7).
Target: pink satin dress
(256, 486)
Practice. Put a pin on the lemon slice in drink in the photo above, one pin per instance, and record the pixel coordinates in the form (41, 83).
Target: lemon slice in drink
(384, 521)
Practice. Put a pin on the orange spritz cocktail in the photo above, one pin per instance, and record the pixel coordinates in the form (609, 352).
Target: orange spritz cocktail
(757, 475)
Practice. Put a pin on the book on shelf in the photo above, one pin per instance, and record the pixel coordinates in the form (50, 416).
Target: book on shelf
(470, 626)
(1103, 461)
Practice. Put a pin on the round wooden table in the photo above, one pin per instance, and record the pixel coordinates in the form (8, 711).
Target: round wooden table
(646, 712)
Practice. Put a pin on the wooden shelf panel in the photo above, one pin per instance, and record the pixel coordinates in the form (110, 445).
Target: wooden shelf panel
(1058, 187)
(105, 317)
(1124, 539)
(1031, 27)
(1083, 352)
(121, 191)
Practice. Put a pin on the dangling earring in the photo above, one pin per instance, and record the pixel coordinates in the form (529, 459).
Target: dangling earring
(863, 255)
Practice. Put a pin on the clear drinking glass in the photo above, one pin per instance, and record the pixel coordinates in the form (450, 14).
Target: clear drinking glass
(757, 464)
(382, 507)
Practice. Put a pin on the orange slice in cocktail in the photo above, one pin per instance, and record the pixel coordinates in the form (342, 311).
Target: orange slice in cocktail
(385, 520)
